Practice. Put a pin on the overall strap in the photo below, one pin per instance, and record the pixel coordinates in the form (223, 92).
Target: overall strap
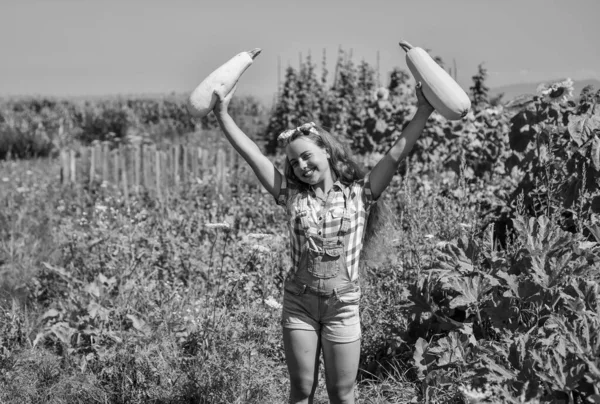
(345, 225)
(282, 198)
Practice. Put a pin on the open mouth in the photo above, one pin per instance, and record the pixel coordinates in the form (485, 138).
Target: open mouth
(307, 173)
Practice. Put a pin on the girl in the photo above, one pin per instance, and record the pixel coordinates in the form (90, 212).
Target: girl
(328, 202)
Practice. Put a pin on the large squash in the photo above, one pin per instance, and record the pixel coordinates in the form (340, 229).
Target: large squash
(222, 80)
(440, 89)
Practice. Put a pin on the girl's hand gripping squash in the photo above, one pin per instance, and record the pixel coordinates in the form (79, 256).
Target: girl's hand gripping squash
(422, 102)
(223, 101)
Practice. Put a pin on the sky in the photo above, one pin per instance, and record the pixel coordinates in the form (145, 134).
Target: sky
(125, 47)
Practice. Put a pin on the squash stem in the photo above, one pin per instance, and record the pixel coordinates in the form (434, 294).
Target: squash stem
(405, 45)
(254, 52)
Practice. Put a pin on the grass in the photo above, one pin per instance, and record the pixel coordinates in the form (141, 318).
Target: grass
(108, 301)
(104, 301)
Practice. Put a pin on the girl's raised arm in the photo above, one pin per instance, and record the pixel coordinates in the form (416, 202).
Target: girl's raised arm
(384, 170)
(264, 169)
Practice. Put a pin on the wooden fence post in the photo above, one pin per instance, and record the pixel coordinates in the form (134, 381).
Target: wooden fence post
(98, 160)
(221, 175)
(218, 171)
(195, 151)
(73, 163)
(136, 168)
(64, 167)
(176, 166)
(184, 166)
(105, 156)
(92, 155)
(157, 172)
(147, 157)
(123, 157)
(167, 169)
(130, 168)
(115, 159)
(205, 165)
(231, 171)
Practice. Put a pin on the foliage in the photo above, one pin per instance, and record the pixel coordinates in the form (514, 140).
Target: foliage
(139, 303)
(489, 317)
(352, 106)
(40, 127)
(479, 91)
(490, 292)
(285, 110)
(556, 144)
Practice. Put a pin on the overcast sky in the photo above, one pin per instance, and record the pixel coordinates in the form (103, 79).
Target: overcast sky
(85, 47)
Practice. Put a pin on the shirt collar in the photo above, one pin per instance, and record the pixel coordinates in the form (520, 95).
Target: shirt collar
(337, 184)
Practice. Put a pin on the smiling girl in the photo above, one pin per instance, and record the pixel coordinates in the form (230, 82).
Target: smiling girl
(329, 203)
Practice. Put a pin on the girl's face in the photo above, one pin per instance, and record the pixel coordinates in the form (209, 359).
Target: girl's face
(308, 161)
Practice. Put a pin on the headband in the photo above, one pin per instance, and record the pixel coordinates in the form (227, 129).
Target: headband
(304, 129)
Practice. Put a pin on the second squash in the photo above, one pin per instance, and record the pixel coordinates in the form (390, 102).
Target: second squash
(222, 80)
(441, 90)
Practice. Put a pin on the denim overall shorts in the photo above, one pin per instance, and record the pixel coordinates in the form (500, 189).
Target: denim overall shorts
(319, 296)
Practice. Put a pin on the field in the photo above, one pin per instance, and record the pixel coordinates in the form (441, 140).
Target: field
(485, 290)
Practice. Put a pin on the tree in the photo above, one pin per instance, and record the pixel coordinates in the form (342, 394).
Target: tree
(300, 101)
(366, 79)
(285, 110)
(479, 90)
(310, 93)
(342, 97)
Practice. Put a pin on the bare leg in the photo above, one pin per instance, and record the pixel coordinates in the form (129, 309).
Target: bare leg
(341, 368)
(302, 350)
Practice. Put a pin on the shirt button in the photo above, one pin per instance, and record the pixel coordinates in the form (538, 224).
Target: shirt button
(319, 232)
(320, 218)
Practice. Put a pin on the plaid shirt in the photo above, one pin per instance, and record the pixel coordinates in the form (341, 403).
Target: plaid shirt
(324, 217)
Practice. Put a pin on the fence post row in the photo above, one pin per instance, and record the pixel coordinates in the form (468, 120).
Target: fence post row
(135, 168)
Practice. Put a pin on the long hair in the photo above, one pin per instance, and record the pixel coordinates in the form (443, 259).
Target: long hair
(346, 170)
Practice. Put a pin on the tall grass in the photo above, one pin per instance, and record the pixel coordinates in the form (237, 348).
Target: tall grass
(108, 302)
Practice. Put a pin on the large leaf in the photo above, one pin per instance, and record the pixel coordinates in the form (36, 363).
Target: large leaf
(503, 314)
(570, 190)
(63, 332)
(421, 294)
(518, 351)
(581, 127)
(451, 349)
(470, 290)
(562, 373)
(594, 228)
(419, 357)
(139, 324)
(544, 242)
(521, 131)
(469, 247)
(96, 310)
(496, 373)
(530, 291)
(595, 204)
(93, 289)
(511, 281)
(520, 102)
(595, 152)
(453, 257)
